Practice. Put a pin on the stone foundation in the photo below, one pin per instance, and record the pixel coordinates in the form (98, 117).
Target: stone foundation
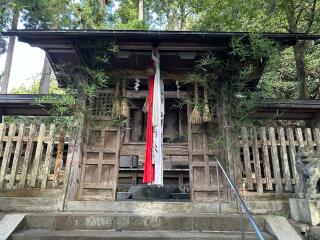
(305, 210)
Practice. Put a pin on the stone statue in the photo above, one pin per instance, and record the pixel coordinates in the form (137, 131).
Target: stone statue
(308, 168)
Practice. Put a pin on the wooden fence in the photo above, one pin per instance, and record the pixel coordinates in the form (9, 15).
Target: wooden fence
(32, 156)
(267, 157)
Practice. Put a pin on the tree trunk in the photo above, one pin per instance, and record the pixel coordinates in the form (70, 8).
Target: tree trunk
(140, 10)
(299, 55)
(45, 77)
(101, 13)
(183, 17)
(7, 69)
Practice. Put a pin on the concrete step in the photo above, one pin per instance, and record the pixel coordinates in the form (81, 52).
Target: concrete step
(140, 222)
(41, 234)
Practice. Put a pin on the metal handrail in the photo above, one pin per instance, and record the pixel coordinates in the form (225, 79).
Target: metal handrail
(242, 204)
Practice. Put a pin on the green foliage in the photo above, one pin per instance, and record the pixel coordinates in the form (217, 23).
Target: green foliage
(81, 85)
(231, 75)
(6, 14)
(258, 47)
(268, 16)
(44, 14)
(53, 14)
(279, 79)
(173, 15)
(87, 14)
(34, 88)
(4, 20)
(126, 16)
(238, 15)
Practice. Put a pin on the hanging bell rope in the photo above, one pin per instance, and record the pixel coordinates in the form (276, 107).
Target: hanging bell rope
(206, 111)
(124, 102)
(195, 115)
(116, 102)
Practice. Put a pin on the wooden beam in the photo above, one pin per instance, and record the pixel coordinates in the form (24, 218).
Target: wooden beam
(171, 46)
(177, 75)
(131, 94)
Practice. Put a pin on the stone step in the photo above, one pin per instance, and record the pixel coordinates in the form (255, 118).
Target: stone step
(140, 222)
(24, 204)
(42, 234)
(10, 223)
(144, 207)
(36, 204)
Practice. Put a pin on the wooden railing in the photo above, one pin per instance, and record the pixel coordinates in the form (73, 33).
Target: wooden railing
(267, 157)
(32, 156)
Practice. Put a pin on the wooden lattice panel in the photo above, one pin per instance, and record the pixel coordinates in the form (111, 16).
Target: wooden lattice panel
(102, 105)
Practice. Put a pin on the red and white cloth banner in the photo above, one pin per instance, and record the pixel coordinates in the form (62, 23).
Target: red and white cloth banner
(148, 173)
(153, 168)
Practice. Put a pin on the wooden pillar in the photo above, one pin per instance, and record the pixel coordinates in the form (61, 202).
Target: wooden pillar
(228, 148)
(74, 156)
(45, 77)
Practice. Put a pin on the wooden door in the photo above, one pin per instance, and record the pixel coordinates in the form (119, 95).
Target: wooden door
(206, 180)
(100, 164)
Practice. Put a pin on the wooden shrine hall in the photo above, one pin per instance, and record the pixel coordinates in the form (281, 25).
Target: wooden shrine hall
(100, 160)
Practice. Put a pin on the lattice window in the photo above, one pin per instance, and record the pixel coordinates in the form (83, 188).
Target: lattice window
(102, 105)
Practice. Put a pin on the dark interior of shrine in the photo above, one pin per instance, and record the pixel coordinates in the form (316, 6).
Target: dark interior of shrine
(175, 139)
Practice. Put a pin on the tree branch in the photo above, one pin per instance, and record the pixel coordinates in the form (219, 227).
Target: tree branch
(289, 10)
(301, 8)
(310, 20)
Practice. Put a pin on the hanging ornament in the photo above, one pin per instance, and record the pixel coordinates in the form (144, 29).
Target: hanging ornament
(178, 89)
(124, 102)
(206, 111)
(116, 101)
(195, 115)
(137, 84)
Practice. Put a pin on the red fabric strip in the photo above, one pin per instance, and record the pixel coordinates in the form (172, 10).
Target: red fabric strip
(148, 174)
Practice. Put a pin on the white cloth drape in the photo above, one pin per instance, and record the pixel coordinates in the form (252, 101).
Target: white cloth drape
(157, 121)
